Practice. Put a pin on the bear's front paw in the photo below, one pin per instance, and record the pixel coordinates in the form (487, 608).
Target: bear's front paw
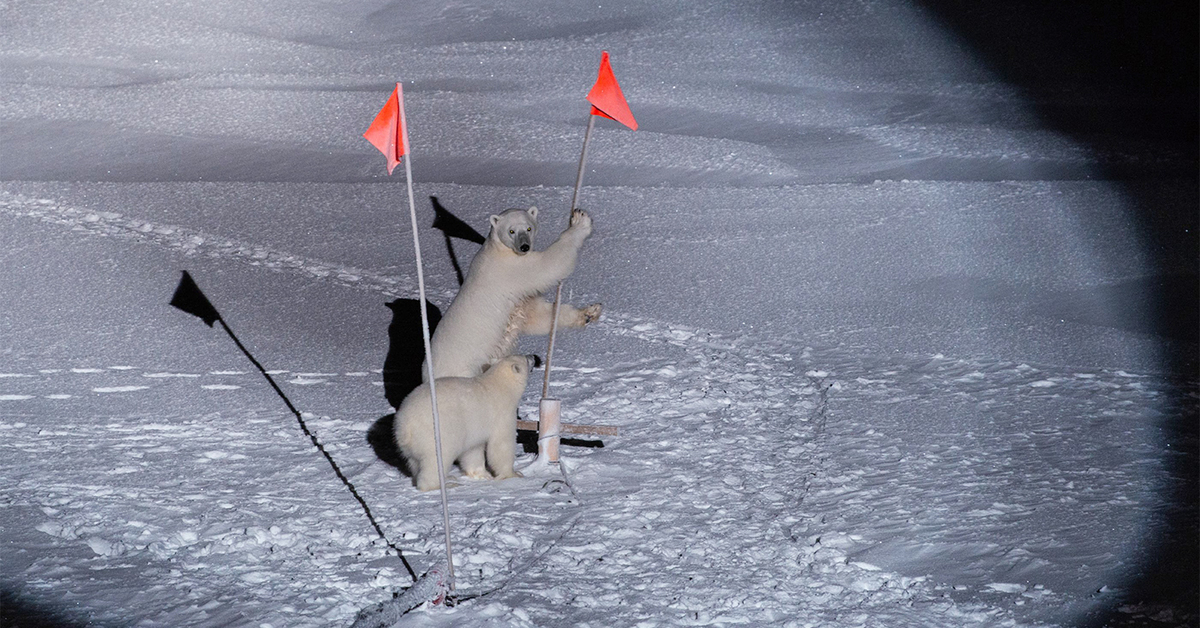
(581, 220)
(476, 474)
(590, 314)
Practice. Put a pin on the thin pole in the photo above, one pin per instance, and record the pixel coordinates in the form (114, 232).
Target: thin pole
(437, 426)
(550, 349)
(587, 136)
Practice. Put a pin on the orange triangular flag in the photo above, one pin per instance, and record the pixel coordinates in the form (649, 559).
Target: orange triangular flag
(388, 131)
(606, 97)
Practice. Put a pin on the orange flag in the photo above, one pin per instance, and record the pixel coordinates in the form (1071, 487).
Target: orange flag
(388, 131)
(606, 97)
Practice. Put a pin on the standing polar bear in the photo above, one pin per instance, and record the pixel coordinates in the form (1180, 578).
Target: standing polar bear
(501, 298)
(478, 417)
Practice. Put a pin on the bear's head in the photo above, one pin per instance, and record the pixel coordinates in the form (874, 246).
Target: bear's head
(514, 368)
(515, 229)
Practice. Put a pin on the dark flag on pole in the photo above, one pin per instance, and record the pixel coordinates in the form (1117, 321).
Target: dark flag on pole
(452, 225)
(190, 299)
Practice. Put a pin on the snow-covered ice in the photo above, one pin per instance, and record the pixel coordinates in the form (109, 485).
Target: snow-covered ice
(885, 348)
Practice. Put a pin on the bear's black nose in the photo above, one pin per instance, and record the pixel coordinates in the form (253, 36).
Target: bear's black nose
(524, 248)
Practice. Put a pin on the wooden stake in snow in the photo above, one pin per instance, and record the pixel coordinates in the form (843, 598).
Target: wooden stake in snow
(606, 101)
(389, 133)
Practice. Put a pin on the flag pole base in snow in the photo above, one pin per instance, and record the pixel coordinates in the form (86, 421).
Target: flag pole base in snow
(549, 429)
(430, 588)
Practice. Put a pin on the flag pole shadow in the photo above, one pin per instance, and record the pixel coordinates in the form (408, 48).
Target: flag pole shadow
(452, 226)
(189, 298)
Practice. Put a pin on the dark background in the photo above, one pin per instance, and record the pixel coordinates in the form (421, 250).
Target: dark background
(1109, 73)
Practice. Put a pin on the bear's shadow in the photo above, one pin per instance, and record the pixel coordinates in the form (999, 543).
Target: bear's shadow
(401, 372)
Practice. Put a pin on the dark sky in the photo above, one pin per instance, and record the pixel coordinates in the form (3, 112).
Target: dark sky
(1144, 49)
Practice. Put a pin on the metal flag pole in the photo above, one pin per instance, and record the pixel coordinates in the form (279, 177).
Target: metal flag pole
(549, 410)
(437, 427)
(587, 136)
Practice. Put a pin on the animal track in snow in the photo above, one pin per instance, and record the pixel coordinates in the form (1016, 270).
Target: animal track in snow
(195, 242)
(61, 384)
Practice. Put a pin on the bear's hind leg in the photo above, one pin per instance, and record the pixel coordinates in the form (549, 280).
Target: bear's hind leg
(538, 312)
(501, 454)
(472, 464)
(427, 476)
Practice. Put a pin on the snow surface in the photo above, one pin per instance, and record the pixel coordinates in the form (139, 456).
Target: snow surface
(881, 346)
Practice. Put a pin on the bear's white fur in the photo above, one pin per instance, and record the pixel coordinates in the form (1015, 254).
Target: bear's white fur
(500, 298)
(478, 418)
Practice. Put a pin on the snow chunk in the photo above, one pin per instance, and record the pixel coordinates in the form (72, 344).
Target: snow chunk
(55, 529)
(222, 455)
(106, 548)
(256, 577)
(118, 389)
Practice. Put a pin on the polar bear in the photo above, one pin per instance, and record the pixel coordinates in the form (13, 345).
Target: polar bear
(501, 297)
(478, 417)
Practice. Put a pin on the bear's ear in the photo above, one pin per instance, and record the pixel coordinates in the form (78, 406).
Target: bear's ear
(494, 219)
(532, 211)
(517, 367)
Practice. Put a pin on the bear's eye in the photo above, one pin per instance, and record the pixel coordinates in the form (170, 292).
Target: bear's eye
(529, 228)
(511, 232)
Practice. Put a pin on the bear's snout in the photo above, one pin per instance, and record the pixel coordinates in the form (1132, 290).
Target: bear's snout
(522, 243)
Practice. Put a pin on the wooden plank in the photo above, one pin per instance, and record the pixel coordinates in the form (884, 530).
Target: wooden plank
(573, 428)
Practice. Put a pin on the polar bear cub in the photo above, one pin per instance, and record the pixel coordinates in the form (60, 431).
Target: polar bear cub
(501, 297)
(478, 417)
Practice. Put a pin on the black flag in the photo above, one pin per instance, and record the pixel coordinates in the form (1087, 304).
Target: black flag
(452, 225)
(190, 299)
